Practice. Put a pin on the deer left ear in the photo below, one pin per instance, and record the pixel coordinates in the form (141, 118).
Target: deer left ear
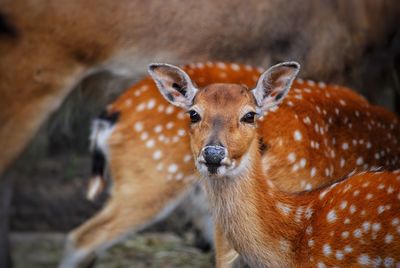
(274, 84)
(174, 84)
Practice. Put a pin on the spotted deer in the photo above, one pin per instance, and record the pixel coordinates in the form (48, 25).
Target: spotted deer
(351, 222)
(318, 134)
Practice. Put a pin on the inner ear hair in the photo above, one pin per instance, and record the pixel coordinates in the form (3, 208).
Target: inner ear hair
(180, 88)
(173, 83)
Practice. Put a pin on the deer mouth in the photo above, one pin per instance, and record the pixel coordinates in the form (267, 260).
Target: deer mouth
(210, 169)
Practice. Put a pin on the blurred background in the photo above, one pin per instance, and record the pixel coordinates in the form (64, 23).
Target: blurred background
(353, 43)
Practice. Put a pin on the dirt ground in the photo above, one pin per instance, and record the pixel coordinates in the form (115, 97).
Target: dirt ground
(43, 250)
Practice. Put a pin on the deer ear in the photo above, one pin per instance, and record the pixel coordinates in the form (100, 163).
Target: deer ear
(174, 84)
(274, 84)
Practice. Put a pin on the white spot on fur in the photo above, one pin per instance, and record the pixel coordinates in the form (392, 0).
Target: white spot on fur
(172, 168)
(342, 162)
(235, 67)
(284, 245)
(299, 213)
(308, 187)
(376, 227)
(128, 102)
(157, 155)
(388, 238)
(303, 162)
(297, 135)
(366, 226)
(331, 216)
(343, 205)
(179, 176)
(352, 209)
(144, 135)
(158, 129)
(388, 262)
(151, 104)
(380, 209)
(181, 132)
(309, 213)
(150, 143)
(345, 234)
(313, 172)
(363, 259)
(187, 158)
(357, 233)
(284, 208)
(138, 126)
(140, 107)
(170, 125)
(221, 65)
(348, 249)
(292, 157)
(339, 255)
(327, 250)
(169, 110)
(307, 120)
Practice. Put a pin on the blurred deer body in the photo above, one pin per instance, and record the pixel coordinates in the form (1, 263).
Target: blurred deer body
(143, 139)
(48, 47)
(352, 222)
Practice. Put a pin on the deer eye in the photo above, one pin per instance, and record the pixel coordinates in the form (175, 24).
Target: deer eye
(194, 116)
(249, 118)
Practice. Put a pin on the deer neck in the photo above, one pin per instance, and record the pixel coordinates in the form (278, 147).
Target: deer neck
(262, 223)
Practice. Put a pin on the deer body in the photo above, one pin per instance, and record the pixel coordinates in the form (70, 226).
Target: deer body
(352, 222)
(333, 226)
(145, 143)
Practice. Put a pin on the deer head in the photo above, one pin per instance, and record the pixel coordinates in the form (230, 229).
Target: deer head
(220, 107)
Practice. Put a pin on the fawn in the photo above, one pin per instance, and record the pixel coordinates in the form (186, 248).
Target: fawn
(351, 222)
(143, 140)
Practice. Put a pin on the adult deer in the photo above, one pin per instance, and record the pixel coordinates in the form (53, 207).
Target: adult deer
(316, 135)
(351, 222)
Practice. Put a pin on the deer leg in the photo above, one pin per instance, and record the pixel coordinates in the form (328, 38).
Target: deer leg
(31, 91)
(122, 215)
(225, 255)
(5, 203)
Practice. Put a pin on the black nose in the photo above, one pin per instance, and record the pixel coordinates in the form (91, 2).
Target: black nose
(213, 154)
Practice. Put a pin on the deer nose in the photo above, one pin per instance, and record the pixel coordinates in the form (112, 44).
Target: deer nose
(214, 154)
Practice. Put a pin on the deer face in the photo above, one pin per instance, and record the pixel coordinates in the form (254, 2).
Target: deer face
(223, 116)
(222, 128)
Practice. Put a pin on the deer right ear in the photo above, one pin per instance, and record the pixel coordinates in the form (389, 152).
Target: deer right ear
(174, 84)
(274, 84)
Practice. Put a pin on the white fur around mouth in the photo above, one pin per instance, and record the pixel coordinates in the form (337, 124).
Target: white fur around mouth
(229, 167)
(221, 171)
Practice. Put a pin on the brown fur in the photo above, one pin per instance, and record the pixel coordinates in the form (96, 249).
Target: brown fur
(48, 47)
(260, 221)
(133, 168)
